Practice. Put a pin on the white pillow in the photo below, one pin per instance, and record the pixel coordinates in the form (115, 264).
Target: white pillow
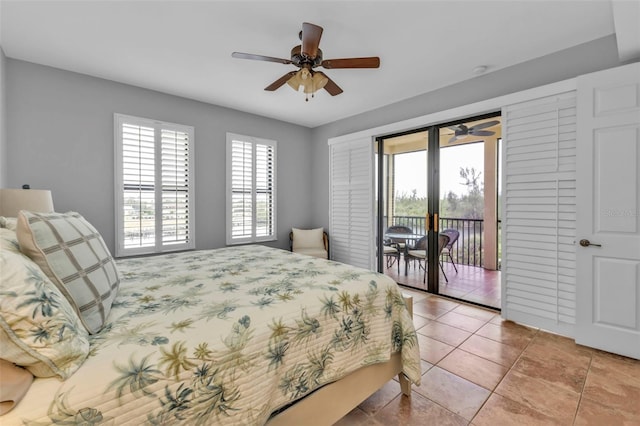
(8, 222)
(39, 329)
(307, 238)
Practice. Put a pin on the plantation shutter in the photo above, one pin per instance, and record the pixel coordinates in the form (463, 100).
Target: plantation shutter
(251, 194)
(351, 203)
(539, 224)
(175, 187)
(153, 186)
(265, 190)
(241, 190)
(138, 175)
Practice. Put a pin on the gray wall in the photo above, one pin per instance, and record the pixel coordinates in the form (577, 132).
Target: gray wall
(582, 59)
(3, 120)
(60, 137)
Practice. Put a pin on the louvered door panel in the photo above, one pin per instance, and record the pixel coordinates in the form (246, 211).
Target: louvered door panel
(538, 271)
(351, 221)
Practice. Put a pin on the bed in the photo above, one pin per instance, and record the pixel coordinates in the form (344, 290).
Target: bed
(239, 336)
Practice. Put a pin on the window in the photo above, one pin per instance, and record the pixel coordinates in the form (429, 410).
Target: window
(154, 183)
(251, 189)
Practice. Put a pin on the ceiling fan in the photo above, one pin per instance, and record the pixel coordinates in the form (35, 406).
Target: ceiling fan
(306, 57)
(461, 131)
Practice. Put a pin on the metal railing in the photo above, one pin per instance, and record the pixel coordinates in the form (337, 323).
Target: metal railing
(467, 250)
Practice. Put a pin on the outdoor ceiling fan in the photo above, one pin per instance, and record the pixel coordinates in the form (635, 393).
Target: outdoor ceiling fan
(461, 131)
(306, 57)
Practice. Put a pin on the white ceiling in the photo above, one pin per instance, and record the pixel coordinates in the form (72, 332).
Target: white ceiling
(184, 47)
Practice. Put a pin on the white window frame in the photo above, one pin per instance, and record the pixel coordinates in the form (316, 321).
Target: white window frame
(158, 126)
(253, 238)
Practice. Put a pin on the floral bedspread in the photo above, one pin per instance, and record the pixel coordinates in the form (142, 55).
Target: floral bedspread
(226, 336)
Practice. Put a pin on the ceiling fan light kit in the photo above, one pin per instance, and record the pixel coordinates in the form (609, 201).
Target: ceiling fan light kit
(310, 81)
(307, 56)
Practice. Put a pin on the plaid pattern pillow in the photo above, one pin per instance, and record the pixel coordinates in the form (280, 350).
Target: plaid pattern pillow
(71, 252)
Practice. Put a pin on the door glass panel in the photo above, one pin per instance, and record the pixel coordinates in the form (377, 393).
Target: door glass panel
(404, 206)
(468, 193)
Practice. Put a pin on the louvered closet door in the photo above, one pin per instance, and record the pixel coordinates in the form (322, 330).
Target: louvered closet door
(539, 202)
(351, 210)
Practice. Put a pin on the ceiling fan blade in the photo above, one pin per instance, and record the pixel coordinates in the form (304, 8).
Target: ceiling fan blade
(485, 125)
(453, 139)
(310, 39)
(279, 82)
(241, 55)
(482, 133)
(331, 86)
(370, 62)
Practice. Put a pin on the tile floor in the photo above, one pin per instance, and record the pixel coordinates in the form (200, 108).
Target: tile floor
(480, 370)
(470, 283)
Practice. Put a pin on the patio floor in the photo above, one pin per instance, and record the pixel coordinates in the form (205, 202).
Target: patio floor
(471, 283)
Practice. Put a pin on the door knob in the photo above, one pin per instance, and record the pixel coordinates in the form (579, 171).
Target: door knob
(587, 243)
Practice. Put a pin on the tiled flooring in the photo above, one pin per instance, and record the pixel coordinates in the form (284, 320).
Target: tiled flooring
(479, 370)
(473, 284)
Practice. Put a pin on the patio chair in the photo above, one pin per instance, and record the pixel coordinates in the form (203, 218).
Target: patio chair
(394, 247)
(419, 253)
(453, 237)
(392, 255)
(397, 229)
(312, 242)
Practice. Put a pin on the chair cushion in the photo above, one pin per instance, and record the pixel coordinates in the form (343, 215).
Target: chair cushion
(71, 252)
(422, 254)
(307, 238)
(315, 252)
(389, 250)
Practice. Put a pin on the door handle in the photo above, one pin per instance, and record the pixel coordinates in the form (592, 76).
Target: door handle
(587, 243)
(431, 221)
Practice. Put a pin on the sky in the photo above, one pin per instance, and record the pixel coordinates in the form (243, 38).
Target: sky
(411, 169)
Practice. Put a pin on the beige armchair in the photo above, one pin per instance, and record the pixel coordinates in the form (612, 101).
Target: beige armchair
(312, 242)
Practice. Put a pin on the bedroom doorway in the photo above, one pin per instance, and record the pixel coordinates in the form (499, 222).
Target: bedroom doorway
(441, 179)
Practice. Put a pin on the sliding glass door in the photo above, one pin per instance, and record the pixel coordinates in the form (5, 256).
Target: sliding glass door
(441, 180)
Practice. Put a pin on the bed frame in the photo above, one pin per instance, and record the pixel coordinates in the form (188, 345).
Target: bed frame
(330, 403)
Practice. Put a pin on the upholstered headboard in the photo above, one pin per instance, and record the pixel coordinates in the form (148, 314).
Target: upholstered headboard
(14, 200)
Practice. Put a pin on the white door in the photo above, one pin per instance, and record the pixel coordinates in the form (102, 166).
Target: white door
(608, 221)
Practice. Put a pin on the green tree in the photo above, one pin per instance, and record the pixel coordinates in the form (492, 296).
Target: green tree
(472, 203)
(410, 204)
(467, 206)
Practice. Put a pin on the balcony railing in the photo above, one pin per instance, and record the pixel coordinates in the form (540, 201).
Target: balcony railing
(467, 250)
